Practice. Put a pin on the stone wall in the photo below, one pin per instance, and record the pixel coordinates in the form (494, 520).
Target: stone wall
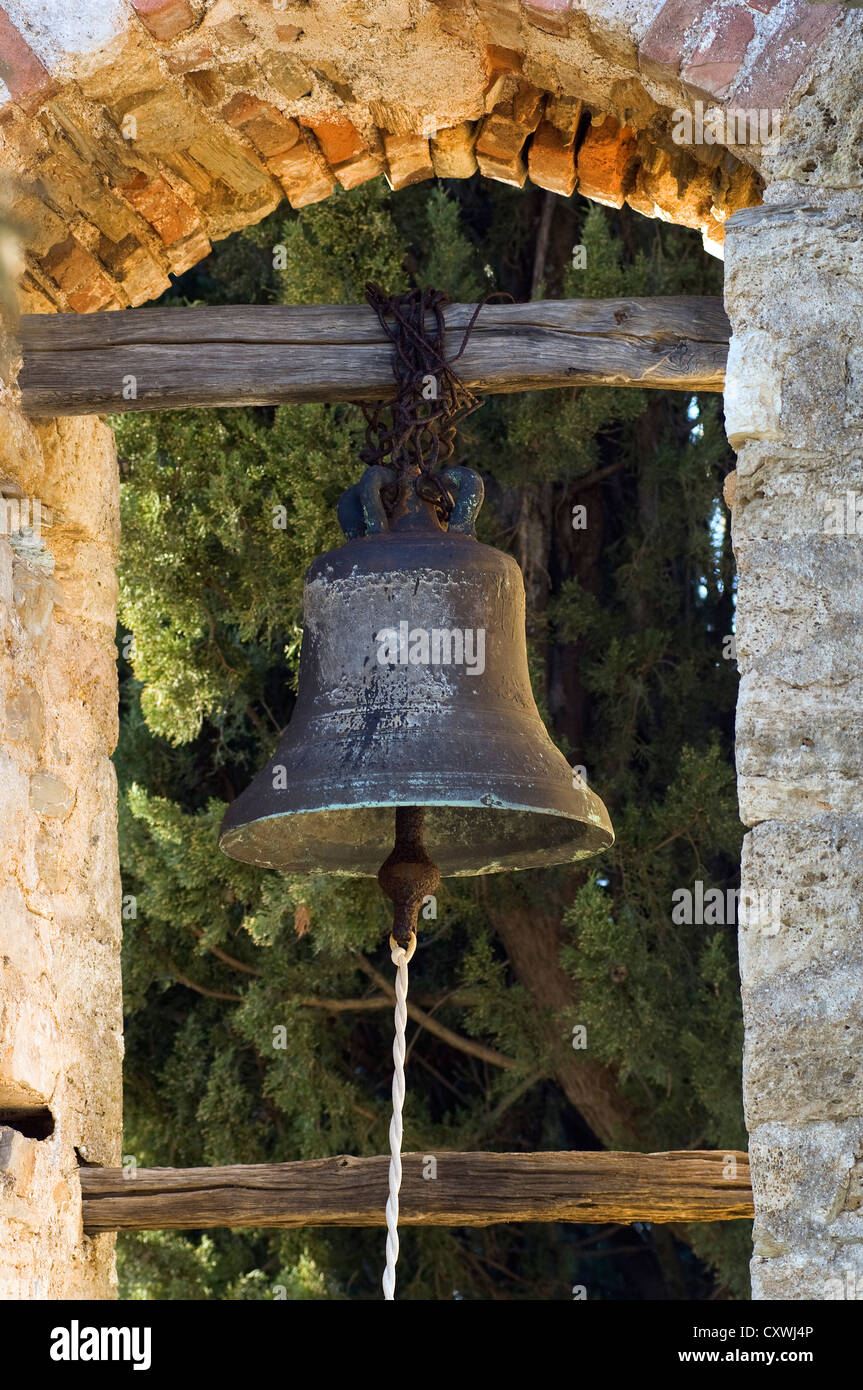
(794, 412)
(60, 1004)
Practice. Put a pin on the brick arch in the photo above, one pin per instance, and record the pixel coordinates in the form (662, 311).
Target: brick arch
(143, 131)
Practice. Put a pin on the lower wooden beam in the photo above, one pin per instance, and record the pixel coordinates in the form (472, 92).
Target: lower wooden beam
(443, 1189)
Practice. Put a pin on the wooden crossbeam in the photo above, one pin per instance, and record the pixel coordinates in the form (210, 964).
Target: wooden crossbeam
(170, 359)
(447, 1189)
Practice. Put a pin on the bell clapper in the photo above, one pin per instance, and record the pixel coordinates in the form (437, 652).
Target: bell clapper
(408, 875)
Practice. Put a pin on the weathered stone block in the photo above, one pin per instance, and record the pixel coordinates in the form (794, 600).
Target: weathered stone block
(803, 1059)
(408, 160)
(227, 162)
(816, 870)
(809, 1223)
(206, 84)
(356, 171)
(287, 75)
(194, 55)
(452, 152)
(302, 174)
(51, 796)
(753, 391)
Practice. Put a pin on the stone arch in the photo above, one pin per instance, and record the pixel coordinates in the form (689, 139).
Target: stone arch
(137, 133)
(146, 131)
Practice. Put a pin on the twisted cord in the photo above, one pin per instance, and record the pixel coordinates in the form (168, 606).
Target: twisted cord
(400, 959)
(417, 429)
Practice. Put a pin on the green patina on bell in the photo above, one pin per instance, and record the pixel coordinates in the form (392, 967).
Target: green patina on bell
(414, 693)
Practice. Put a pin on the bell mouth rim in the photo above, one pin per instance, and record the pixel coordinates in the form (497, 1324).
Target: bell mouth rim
(600, 830)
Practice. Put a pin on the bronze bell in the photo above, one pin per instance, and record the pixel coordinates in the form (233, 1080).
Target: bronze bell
(414, 693)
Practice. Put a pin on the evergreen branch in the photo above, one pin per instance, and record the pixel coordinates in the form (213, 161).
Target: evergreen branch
(490, 1122)
(473, 1049)
(229, 960)
(200, 989)
(442, 1079)
(598, 475)
(377, 1001)
(233, 962)
(674, 836)
(339, 1006)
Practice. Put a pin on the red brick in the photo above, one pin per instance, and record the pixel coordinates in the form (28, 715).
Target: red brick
(499, 59)
(551, 160)
(156, 201)
(243, 107)
(301, 175)
(550, 15)
(360, 170)
(195, 55)
(68, 263)
(165, 19)
(232, 31)
(272, 137)
(662, 45)
(268, 129)
(606, 155)
(338, 138)
(79, 276)
(26, 76)
(717, 59)
(787, 55)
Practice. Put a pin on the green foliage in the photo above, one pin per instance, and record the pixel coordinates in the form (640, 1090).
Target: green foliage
(155, 1265)
(235, 1049)
(339, 245)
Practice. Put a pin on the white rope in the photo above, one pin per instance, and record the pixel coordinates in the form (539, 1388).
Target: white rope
(400, 959)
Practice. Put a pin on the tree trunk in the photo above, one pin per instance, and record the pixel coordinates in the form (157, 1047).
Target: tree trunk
(532, 941)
